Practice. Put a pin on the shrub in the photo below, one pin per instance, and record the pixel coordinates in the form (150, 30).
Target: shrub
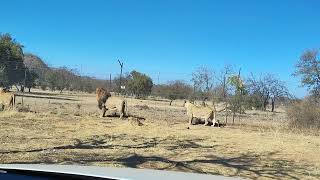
(173, 90)
(140, 84)
(21, 108)
(304, 115)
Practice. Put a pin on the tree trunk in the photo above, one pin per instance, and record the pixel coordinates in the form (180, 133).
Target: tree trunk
(225, 98)
(265, 103)
(273, 104)
(226, 112)
(29, 89)
(233, 116)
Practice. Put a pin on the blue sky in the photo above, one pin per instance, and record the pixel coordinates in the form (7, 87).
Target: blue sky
(170, 37)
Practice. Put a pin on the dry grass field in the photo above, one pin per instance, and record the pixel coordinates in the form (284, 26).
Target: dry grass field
(66, 129)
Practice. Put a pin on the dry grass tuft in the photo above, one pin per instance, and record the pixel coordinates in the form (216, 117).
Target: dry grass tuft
(304, 117)
(21, 108)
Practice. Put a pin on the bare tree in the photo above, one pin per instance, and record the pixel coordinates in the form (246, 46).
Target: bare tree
(308, 68)
(265, 89)
(239, 89)
(278, 91)
(203, 81)
(225, 87)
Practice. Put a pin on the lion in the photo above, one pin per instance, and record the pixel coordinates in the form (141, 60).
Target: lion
(201, 113)
(7, 99)
(102, 96)
(117, 105)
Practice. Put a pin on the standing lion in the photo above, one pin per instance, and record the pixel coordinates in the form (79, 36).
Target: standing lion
(102, 96)
(201, 113)
(7, 99)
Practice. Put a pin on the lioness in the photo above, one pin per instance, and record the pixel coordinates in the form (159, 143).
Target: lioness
(203, 113)
(7, 99)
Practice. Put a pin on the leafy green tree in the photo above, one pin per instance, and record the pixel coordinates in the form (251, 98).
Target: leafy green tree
(58, 79)
(139, 84)
(237, 83)
(236, 100)
(11, 61)
(4, 80)
(39, 67)
(64, 78)
(51, 79)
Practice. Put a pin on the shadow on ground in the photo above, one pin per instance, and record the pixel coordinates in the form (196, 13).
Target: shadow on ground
(101, 142)
(245, 165)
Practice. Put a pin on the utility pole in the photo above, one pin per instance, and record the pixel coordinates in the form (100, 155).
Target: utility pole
(110, 83)
(158, 78)
(121, 67)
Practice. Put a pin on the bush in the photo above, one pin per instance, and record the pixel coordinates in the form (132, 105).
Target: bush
(304, 115)
(21, 108)
(173, 90)
(140, 84)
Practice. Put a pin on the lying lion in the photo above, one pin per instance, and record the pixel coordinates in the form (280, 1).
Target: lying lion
(117, 105)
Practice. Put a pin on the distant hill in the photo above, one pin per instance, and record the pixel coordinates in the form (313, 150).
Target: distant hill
(34, 62)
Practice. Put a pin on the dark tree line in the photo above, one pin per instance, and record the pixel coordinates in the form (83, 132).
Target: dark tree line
(59, 79)
(173, 90)
(28, 71)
